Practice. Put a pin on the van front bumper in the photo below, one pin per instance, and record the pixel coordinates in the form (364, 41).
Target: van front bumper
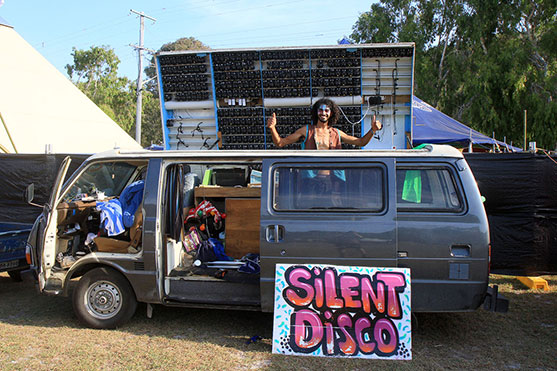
(494, 301)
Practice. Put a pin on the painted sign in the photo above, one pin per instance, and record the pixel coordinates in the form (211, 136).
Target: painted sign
(337, 311)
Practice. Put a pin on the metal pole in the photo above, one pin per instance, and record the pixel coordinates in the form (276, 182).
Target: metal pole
(139, 84)
(139, 91)
(525, 130)
(470, 145)
(493, 144)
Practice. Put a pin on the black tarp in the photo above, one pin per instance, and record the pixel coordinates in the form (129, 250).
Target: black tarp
(19, 170)
(520, 191)
(521, 205)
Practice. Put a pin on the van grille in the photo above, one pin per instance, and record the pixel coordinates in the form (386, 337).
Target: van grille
(139, 266)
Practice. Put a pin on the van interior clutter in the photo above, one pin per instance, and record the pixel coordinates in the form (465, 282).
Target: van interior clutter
(211, 218)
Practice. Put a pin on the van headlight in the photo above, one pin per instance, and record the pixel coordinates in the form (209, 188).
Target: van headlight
(29, 254)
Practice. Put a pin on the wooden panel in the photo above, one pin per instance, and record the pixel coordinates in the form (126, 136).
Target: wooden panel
(398, 99)
(227, 192)
(242, 226)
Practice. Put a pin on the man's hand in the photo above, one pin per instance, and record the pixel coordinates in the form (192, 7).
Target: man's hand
(272, 121)
(376, 124)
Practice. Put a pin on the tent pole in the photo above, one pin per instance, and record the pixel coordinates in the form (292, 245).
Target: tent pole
(7, 132)
(493, 145)
(470, 143)
(525, 130)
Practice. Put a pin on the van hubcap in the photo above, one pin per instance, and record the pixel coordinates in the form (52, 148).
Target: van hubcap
(103, 300)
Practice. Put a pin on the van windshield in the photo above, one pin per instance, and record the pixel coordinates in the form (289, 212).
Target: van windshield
(100, 180)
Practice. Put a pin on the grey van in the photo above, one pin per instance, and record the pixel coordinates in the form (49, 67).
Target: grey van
(206, 228)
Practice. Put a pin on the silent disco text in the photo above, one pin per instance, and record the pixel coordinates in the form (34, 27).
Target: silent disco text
(342, 311)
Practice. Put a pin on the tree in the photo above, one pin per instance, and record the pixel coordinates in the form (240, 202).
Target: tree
(481, 61)
(151, 127)
(95, 74)
(93, 65)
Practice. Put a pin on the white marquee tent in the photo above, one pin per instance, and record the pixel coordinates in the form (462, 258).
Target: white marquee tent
(43, 111)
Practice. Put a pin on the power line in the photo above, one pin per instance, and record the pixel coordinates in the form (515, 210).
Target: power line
(104, 33)
(84, 32)
(282, 36)
(113, 23)
(285, 41)
(259, 7)
(283, 26)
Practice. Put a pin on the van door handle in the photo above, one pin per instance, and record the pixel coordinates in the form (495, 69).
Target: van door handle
(460, 251)
(274, 233)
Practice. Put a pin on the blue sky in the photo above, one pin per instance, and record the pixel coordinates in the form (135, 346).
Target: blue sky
(54, 27)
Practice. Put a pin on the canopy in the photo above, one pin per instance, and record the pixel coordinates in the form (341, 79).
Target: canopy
(344, 41)
(433, 126)
(43, 111)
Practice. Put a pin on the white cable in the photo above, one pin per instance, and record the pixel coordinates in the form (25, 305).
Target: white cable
(357, 122)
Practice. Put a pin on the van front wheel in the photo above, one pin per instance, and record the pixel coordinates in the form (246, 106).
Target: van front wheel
(104, 299)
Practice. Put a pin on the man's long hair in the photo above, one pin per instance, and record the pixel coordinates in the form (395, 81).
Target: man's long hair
(335, 111)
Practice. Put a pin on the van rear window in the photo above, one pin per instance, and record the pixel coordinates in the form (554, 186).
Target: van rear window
(420, 189)
(329, 188)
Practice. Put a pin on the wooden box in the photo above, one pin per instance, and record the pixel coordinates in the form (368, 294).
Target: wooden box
(242, 226)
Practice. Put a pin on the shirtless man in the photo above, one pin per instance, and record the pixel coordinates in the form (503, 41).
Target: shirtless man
(321, 134)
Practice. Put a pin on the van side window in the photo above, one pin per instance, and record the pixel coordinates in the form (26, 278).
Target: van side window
(329, 188)
(431, 189)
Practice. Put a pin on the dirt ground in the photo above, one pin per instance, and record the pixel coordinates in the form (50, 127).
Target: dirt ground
(41, 332)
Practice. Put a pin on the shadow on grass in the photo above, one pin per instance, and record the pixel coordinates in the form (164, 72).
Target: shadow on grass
(21, 304)
(460, 337)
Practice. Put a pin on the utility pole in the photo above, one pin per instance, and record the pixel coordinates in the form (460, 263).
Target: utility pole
(140, 49)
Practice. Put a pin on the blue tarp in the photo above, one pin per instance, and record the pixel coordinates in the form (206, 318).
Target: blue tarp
(433, 126)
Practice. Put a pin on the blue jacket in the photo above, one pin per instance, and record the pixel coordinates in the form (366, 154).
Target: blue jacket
(130, 199)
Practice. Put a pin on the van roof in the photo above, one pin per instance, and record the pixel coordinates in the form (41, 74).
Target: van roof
(429, 150)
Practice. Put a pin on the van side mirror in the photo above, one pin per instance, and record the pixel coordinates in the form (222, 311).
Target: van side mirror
(29, 194)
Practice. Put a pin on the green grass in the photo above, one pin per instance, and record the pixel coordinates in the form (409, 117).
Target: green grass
(41, 333)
